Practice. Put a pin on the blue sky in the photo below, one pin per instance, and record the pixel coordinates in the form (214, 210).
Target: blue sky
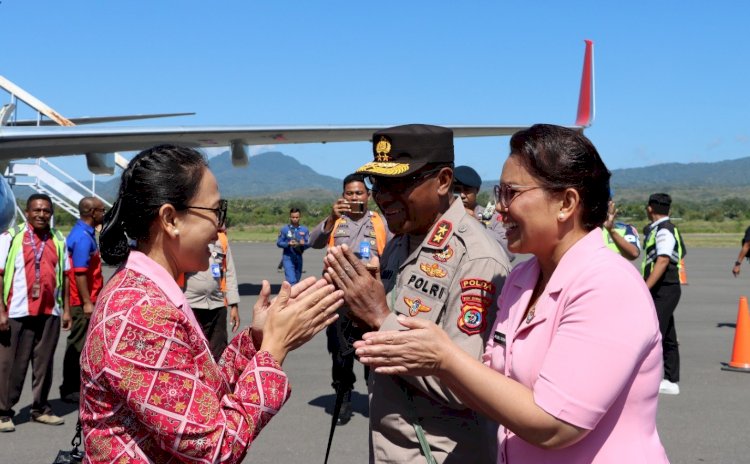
(671, 76)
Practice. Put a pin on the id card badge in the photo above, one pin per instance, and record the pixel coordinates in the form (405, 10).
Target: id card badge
(215, 270)
(36, 290)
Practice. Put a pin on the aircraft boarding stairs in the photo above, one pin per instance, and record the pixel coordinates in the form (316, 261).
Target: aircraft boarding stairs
(44, 177)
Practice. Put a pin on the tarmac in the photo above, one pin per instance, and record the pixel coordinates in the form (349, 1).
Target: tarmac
(706, 423)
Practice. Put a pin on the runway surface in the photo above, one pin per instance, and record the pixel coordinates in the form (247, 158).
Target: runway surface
(707, 422)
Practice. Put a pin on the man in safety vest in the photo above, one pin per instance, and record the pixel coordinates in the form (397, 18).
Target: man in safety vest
(209, 293)
(620, 237)
(364, 231)
(664, 250)
(34, 263)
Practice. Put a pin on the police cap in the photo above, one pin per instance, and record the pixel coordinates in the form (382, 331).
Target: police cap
(402, 150)
(466, 176)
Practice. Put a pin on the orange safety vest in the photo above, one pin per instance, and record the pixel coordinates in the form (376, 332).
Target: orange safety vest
(223, 282)
(377, 224)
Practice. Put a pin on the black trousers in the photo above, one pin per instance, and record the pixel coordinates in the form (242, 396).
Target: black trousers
(341, 337)
(214, 325)
(30, 339)
(666, 297)
(72, 360)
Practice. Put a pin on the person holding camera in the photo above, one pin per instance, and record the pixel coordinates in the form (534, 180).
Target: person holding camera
(364, 231)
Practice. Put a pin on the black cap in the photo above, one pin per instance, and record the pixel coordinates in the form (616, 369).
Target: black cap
(464, 175)
(401, 150)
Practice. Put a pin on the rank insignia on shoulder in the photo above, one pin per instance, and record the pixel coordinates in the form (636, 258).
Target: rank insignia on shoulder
(445, 255)
(468, 284)
(440, 234)
(472, 320)
(478, 300)
(416, 306)
(433, 270)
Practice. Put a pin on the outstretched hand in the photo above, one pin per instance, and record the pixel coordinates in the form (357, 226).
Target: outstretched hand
(421, 350)
(291, 322)
(363, 293)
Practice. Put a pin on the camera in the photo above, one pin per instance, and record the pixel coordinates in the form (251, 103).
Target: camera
(357, 206)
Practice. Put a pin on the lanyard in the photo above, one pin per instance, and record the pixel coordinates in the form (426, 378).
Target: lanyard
(37, 253)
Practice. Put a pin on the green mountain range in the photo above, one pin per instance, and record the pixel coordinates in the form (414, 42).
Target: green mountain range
(273, 174)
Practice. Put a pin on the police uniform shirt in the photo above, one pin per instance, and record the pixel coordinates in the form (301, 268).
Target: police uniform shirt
(349, 232)
(453, 279)
(494, 227)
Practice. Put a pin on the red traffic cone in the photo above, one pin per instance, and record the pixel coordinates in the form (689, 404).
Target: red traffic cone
(741, 352)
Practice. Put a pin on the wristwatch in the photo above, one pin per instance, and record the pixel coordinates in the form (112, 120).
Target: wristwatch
(737, 263)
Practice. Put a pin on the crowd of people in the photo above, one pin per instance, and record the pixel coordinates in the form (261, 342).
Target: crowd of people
(466, 357)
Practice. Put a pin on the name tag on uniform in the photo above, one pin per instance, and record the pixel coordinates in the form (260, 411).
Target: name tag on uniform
(499, 338)
(215, 270)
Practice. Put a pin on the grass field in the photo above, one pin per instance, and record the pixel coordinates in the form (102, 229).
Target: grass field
(692, 239)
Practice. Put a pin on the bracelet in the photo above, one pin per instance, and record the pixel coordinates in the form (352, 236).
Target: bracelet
(737, 263)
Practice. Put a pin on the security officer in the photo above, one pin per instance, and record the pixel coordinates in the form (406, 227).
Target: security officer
(364, 231)
(664, 249)
(441, 266)
(466, 184)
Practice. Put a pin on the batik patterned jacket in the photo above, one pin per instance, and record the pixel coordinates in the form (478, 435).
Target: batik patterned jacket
(151, 391)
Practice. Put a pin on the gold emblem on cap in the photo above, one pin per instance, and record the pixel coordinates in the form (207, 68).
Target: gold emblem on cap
(382, 149)
(387, 169)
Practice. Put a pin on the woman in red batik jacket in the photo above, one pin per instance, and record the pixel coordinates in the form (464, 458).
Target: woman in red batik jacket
(151, 391)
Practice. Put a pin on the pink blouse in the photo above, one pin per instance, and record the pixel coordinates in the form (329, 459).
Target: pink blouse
(590, 352)
(151, 391)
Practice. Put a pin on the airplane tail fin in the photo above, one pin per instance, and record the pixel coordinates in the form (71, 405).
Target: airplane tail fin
(586, 105)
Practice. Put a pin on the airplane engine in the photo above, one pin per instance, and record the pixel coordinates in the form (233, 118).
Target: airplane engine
(239, 153)
(101, 163)
(7, 205)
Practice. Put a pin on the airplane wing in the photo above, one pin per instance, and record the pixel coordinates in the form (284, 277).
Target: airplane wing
(58, 141)
(96, 119)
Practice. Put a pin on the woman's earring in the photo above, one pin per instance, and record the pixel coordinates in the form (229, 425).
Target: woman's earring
(176, 232)
(561, 216)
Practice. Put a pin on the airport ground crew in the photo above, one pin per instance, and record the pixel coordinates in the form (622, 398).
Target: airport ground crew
(664, 249)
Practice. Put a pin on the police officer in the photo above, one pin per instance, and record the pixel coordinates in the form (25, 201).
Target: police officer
(664, 249)
(466, 184)
(364, 231)
(441, 266)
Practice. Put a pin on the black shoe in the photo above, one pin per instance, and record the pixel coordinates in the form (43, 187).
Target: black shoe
(346, 413)
(74, 397)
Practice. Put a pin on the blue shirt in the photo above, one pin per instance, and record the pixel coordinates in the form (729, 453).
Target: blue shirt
(290, 232)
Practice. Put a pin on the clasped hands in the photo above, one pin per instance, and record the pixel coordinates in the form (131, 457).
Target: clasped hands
(421, 348)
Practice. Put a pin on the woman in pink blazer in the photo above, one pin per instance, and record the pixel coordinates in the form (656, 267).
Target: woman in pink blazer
(573, 363)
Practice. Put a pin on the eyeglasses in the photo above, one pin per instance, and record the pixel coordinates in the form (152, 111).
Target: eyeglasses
(398, 184)
(220, 212)
(506, 193)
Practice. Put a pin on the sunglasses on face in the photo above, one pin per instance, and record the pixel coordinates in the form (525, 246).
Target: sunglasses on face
(220, 212)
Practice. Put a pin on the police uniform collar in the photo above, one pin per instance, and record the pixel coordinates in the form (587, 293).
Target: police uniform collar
(440, 234)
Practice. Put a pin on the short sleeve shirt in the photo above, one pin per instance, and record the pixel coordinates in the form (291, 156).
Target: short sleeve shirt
(85, 258)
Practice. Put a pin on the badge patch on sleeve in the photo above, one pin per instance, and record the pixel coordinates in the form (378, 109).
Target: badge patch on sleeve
(440, 234)
(445, 255)
(468, 284)
(472, 320)
(433, 270)
(416, 306)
